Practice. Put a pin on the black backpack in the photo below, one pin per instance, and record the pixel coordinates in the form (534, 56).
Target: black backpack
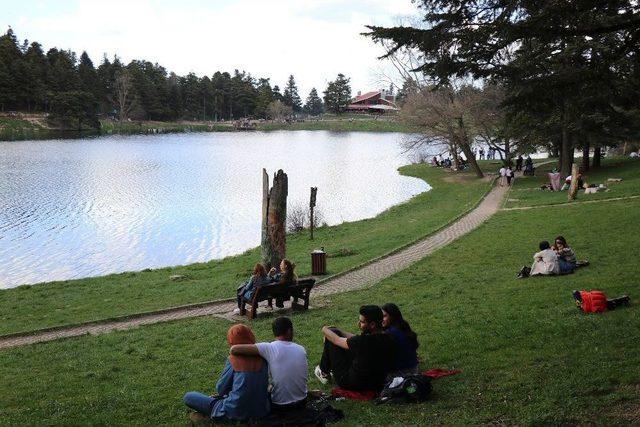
(413, 388)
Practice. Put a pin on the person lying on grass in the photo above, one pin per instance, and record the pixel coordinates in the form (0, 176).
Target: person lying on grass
(405, 341)
(597, 302)
(247, 290)
(545, 262)
(287, 365)
(357, 362)
(242, 387)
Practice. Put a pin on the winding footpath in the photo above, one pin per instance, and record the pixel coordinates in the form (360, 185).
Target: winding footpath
(360, 278)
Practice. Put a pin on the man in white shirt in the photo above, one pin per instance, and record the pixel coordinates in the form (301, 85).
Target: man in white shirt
(503, 175)
(287, 366)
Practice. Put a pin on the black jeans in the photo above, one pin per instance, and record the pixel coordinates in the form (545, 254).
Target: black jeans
(289, 407)
(615, 302)
(337, 361)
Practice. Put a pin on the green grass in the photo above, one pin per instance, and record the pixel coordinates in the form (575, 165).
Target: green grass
(347, 245)
(12, 129)
(527, 356)
(526, 190)
(340, 125)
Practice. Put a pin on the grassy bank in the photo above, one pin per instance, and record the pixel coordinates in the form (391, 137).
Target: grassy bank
(350, 244)
(526, 190)
(14, 129)
(527, 356)
(345, 124)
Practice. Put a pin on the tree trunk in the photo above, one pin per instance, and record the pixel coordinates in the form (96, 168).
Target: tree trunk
(468, 153)
(566, 153)
(274, 219)
(597, 155)
(573, 188)
(585, 156)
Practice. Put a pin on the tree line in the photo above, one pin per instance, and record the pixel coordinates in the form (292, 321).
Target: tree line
(524, 75)
(74, 92)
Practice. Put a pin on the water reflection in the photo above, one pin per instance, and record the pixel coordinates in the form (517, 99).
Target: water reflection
(88, 207)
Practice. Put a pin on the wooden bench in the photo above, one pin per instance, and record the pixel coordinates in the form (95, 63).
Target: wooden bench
(301, 290)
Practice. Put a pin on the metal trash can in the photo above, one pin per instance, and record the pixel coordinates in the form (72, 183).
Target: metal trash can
(318, 262)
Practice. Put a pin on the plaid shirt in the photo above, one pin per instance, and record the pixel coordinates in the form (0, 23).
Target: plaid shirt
(567, 255)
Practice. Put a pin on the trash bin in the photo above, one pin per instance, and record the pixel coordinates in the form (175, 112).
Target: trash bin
(318, 262)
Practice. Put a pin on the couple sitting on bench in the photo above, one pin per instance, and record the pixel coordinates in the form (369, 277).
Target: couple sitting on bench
(286, 277)
(385, 348)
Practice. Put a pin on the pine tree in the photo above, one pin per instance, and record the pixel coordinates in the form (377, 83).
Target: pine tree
(10, 57)
(314, 105)
(338, 95)
(291, 97)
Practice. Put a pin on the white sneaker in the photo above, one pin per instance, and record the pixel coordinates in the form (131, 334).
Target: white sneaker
(236, 311)
(320, 375)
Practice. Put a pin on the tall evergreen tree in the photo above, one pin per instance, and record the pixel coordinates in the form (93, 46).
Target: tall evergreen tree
(338, 94)
(314, 105)
(290, 96)
(10, 57)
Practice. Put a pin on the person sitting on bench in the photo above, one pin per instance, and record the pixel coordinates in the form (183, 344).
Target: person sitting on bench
(358, 362)
(286, 277)
(405, 340)
(258, 278)
(242, 387)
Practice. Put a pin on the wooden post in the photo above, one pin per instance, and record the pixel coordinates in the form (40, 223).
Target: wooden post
(274, 219)
(573, 188)
(312, 204)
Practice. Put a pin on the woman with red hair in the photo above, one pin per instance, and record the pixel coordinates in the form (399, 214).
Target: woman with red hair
(242, 387)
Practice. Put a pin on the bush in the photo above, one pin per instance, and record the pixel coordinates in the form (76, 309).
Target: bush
(298, 218)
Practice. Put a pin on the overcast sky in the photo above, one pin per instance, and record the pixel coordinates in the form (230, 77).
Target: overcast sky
(312, 39)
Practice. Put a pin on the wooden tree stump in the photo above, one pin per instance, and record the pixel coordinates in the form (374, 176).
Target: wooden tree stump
(573, 188)
(274, 219)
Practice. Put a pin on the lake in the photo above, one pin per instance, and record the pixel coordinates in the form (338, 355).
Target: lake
(89, 207)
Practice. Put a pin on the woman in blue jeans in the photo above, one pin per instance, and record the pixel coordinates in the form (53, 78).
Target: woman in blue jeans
(242, 387)
(566, 256)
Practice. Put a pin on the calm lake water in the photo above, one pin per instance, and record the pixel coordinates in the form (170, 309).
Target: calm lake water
(87, 207)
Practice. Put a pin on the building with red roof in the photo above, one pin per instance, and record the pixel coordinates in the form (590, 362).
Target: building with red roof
(379, 101)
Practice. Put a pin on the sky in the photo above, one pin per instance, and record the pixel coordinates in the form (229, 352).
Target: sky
(312, 39)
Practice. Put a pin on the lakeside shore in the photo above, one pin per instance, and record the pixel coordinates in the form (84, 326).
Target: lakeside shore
(509, 338)
(347, 245)
(21, 127)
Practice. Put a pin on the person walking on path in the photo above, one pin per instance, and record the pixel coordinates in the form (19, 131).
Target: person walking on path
(503, 175)
(509, 174)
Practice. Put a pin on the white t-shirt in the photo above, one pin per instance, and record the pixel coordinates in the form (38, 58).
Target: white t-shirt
(503, 171)
(288, 367)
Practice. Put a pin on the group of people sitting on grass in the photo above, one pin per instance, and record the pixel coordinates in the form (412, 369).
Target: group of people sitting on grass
(550, 260)
(385, 347)
(561, 259)
(260, 277)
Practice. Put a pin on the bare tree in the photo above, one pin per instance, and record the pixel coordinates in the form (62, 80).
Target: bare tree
(401, 63)
(443, 115)
(277, 110)
(124, 100)
(491, 125)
